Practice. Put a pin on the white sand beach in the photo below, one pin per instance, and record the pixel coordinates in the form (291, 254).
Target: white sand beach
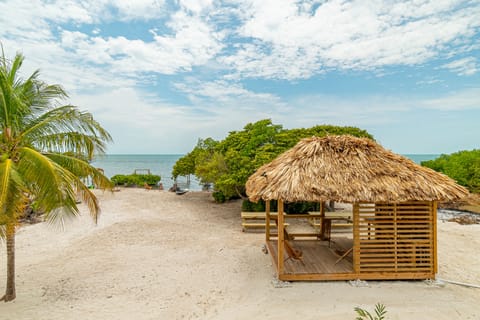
(158, 255)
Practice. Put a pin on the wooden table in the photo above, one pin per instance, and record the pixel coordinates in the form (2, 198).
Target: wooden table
(325, 222)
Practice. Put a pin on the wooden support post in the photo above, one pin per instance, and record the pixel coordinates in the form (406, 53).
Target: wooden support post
(433, 238)
(281, 239)
(322, 220)
(356, 238)
(267, 221)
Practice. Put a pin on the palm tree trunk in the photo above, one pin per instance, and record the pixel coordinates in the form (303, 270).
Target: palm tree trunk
(10, 293)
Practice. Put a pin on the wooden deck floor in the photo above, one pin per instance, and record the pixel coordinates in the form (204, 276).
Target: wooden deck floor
(318, 257)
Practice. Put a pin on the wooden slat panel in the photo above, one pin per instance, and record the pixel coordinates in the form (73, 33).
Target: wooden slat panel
(395, 238)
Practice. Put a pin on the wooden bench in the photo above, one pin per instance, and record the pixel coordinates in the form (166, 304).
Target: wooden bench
(339, 220)
(256, 220)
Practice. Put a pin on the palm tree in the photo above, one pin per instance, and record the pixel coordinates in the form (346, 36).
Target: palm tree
(43, 147)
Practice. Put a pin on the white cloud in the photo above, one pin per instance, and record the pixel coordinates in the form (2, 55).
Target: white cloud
(276, 39)
(466, 99)
(257, 60)
(196, 6)
(86, 11)
(290, 40)
(230, 100)
(361, 111)
(82, 61)
(137, 9)
(221, 89)
(463, 67)
(192, 44)
(228, 105)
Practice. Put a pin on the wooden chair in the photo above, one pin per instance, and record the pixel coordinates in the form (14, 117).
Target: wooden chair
(291, 252)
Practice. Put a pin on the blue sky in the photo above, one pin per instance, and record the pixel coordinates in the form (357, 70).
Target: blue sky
(161, 74)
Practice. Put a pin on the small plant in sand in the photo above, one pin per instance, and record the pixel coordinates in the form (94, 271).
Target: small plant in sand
(380, 313)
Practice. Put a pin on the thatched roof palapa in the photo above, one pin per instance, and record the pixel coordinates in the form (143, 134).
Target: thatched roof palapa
(348, 169)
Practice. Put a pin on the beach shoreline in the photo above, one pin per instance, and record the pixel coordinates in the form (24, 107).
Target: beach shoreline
(158, 255)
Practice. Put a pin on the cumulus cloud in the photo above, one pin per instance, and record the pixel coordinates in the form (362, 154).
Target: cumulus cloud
(466, 99)
(50, 34)
(463, 67)
(134, 9)
(196, 6)
(272, 39)
(190, 46)
(231, 101)
(317, 36)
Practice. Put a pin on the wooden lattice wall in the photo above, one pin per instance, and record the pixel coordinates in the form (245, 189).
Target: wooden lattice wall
(396, 241)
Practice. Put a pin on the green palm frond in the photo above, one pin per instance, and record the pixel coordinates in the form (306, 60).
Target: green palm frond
(83, 145)
(45, 96)
(76, 188)
(12, 103)
(67, 129)
(15, 65)
(81, 169)
(12, 193)
(59, 183)
(50, 183)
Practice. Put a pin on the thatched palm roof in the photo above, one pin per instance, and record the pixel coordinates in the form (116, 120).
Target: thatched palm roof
(348, 169)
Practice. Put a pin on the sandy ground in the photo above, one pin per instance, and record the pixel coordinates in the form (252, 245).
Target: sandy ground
(157, 255)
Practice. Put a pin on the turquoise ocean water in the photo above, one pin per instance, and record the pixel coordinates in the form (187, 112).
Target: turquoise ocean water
(162, 164)
(421, 157)
(159, 164)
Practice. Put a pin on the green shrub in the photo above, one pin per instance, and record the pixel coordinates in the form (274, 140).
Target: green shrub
(135, 179)
(150, 179)
(219, 196)
(292, 207)
(301, 207)
(119, 179)
(462, 166)
(248, 206)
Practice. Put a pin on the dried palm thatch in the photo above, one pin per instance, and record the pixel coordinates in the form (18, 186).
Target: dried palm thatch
(348, 169)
